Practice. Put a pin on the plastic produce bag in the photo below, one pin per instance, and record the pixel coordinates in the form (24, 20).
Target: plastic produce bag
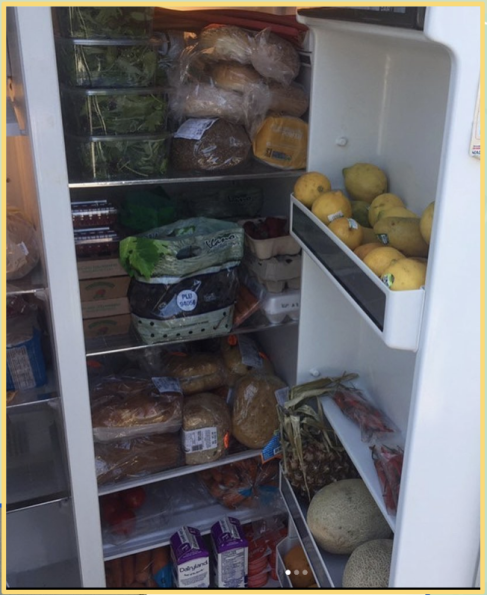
(274, 58)
(195, 372)
(125, 407)
(246, 483)
(209, 145)
(206, 428)
(388, 462)
(145, 455)
(183, 248)
(371, 421)
(22, 246)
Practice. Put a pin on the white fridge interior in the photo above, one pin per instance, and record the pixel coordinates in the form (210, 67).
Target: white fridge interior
(401, 99)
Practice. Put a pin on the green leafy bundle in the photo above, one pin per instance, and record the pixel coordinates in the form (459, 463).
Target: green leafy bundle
(105, 23)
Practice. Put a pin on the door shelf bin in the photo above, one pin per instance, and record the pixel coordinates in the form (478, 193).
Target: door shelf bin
(327, 568)
(349, 434)
(394, 315)
(283, 548)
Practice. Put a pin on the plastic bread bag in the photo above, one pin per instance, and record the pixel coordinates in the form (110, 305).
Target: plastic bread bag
(183, 248)
(274, 58)
(371, 421)
(255, 417)
(281, 141)
(224, 43)
(388, 461)
(144, 455)
(206, 428)
(126, 407)
(209, 145)
(291, 100)
(242, 355)
(22, 246)
(196, 372)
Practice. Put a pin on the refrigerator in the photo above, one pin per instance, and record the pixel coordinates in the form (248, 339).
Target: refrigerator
(397, 87)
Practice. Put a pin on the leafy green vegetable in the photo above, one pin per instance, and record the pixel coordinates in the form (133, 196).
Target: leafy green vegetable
(114, 159)
(95, 114)
(140, 255)
(105, 23)
(109, 65)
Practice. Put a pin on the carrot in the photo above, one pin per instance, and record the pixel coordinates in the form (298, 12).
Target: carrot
(142, 566)
(128, 570)
(116, 566)
(160, 558)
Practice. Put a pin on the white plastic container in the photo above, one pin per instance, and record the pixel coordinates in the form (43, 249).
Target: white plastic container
(271, 247)
(279, 305)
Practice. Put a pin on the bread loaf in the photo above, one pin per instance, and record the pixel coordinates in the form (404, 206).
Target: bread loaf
(255, 419)
(203, 100)
(235, 77)
(206, 428)
(275, 58)
(291, 100)
(221, 42)
(124, 407)
(119, 460)
(196, 372)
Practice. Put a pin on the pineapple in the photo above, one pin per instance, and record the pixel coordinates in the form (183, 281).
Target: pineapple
(311, 452)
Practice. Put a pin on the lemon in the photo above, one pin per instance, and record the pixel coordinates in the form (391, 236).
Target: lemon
(348, 230)
(379, 259)
(397, 212)
(369, 235)
(360, 212)
(381, 203)
(404, 274)
(364, 249)
(309, 186)
(331, 205)
(426, 222)
(364, 181)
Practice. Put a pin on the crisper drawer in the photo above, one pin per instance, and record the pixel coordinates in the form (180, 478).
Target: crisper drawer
(36, 464)
(394, 315)
(41, 547)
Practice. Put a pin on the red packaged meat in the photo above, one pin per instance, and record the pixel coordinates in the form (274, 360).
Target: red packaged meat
(388, 464)
(372, 421)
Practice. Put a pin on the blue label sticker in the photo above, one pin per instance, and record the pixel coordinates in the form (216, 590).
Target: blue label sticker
(163, 578)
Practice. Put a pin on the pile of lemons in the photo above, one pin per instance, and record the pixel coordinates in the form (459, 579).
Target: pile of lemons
(390, 239)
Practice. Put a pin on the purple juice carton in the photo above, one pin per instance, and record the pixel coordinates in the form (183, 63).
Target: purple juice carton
(190, 559)
(230, 555)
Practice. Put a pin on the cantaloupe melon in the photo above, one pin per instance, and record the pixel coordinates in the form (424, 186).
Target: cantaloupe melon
(369, 566)
(343, 515)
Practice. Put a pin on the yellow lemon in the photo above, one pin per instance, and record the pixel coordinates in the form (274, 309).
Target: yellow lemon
(348, 230)
(381, 203)
(404, 274)
(331, 205)
(309, 186)
(379, 259)
(426, 222)
(364, 181)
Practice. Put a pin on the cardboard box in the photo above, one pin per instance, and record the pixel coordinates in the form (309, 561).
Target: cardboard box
(103, 289)
(97, 268)
(107, 326)
(104, 308)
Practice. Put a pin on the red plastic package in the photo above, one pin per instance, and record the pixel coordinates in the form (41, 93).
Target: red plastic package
(388, 462)
(372, 421)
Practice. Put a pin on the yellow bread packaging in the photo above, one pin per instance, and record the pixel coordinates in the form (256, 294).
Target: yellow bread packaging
(282, 142)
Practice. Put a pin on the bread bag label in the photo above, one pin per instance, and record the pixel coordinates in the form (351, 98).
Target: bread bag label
(167, 385)
(198, 440)
(194, 128)
(282, 395)
(249, 353)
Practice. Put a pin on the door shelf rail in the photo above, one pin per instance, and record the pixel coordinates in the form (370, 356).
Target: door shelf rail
(394, 315)
(173, 504)
(176, 472)
(327, 568)
(349, 434)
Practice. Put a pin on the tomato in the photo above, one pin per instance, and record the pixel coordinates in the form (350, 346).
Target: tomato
(123, 522)
(110, 505)
(133, 498)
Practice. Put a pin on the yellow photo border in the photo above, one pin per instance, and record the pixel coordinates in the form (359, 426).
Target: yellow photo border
(243, 4)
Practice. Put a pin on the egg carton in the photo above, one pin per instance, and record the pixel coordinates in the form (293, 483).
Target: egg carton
(264, 249)
(279, 286)
(278, 306)
(277, 268)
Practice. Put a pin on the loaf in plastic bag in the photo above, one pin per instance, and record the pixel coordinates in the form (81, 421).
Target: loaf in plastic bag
(235, 77)
(125, 407)
(220, 146)
(246, 483)
(145, 455)
(206, 428)
(291, 100)
(282, 142)
(22, 246)
(222, 42)
(255, 416)
(196, 372)
(183, 248)
(274, 58)
(242, 356)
